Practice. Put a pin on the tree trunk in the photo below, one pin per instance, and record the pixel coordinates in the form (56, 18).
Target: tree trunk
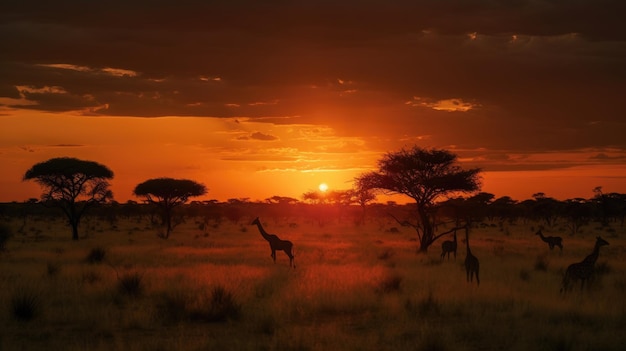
(427, 238)
(168, 222)
(74, 230)
(427, 231)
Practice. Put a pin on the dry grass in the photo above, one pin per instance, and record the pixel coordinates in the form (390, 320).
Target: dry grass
(354, 289)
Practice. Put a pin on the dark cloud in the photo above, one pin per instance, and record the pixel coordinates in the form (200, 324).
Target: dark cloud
(536, 73)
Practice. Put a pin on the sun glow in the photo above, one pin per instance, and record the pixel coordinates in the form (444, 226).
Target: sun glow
(323, 187)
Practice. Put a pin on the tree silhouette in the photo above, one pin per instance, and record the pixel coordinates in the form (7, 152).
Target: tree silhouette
(73, 185)
(425, 175)
(166, 194)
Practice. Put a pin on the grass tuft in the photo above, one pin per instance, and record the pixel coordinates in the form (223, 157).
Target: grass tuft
(541, 263)
(96, 255)
(25, 304)
(172, 306)
(53, 269)
(131, 284)
(427, 306)
(389, 284)
(524, 275)
(385, 255)
(219, 306)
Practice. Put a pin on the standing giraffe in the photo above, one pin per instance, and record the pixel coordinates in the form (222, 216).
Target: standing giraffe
(551, 240)
(276, 243)
(582, 270)
(471, 262)
(449, 246)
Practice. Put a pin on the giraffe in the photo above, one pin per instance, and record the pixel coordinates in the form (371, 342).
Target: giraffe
(471, 262)
(276, 243)
(449, 246)
(551, 240)
(584, 269)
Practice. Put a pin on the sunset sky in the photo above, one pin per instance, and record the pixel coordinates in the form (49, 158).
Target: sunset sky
(263, 98)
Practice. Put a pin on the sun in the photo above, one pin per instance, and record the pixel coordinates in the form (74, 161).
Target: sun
(323, 187)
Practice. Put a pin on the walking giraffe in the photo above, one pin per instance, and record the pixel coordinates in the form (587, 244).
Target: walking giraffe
(551, 240)
(276, 243)
(582, 270)
(449, 246)
(471, 262)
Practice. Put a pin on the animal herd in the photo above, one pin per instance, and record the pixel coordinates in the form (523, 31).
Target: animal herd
(580, 271)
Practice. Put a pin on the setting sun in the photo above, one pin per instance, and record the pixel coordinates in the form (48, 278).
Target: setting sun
(323, 187)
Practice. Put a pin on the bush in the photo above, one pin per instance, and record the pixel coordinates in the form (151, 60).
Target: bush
(220, 306)
(172, 306)
(389, 284)
(53, 269)
(25, 304)
(131, 284)
(426, 306)
(96, 255)
(541, 264)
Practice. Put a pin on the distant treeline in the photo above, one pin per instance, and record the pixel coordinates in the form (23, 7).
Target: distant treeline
(574, 213)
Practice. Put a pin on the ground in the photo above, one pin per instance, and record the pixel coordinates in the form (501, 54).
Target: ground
(355, 288)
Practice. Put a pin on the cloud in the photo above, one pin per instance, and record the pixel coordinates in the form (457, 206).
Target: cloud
(448, 105)
(608, 158)
(518, 70)
(258, 136)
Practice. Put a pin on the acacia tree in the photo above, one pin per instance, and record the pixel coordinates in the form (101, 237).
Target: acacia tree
(73, 185)
(168, 193)
(425, 175)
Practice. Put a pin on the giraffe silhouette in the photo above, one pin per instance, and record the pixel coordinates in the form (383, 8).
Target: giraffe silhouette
(584, 269)
(276, 243)
(449, 246)
(551, 240)
(471, 262)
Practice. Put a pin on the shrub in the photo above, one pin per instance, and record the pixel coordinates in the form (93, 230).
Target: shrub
(541, 264)
(427, 306)
(91, 277)
(524, 275)
(220, 306)
(172, 306)
(385, 255)
(131, 284)
(25, 304)
(53, 269)
(96, 255)
(389, 284)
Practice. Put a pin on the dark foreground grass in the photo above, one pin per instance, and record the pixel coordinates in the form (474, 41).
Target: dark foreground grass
(359, 288)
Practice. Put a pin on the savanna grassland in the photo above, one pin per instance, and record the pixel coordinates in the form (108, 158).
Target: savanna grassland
(355, 288)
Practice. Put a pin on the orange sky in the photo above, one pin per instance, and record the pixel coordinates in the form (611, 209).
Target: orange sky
(261, 100)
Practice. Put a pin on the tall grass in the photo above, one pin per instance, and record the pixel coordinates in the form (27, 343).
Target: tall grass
(354, 288)
(5, 235)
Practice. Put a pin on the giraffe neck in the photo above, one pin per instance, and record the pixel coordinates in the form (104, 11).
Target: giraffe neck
(263, 232)
(541, 236)
(593, 257)
(467, 241)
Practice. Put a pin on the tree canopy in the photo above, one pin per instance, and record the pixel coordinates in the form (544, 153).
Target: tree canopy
(425, 175)
(168, 193)
(72, 184)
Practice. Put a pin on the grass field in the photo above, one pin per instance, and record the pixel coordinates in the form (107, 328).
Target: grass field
(354, 288)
